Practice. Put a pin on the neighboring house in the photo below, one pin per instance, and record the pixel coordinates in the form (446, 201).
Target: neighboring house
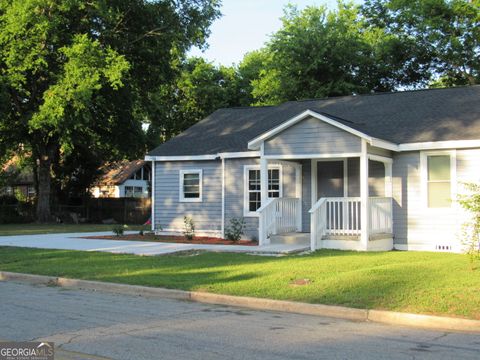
(371, 172)
(123, 179)
(17, 180)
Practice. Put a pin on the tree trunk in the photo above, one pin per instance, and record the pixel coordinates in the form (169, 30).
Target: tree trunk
(44, 214)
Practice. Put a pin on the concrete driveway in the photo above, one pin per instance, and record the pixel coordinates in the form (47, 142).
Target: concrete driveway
(77, 241)
(96, 325)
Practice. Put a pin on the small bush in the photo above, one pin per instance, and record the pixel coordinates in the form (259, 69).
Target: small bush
(471, 229)
(235, 230)
(119, 229)
(189, 225)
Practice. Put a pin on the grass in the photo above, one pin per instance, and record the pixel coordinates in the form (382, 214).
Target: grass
(31, 229)
(419, 282)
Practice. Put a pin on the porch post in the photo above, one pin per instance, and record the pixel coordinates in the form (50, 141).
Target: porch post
(263, 196)
(298, 195)
(388, 179)
(365, 208)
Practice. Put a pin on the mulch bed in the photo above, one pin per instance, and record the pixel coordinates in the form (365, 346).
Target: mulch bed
(174, 239)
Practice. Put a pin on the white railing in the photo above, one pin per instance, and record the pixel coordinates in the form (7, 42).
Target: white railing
(343, 216)
(318, 222)
(380, 215)
(279, 216)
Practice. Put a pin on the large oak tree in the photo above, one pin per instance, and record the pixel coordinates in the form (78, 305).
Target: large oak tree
(75, 76)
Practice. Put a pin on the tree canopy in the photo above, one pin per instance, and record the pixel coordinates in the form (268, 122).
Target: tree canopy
(75, 76)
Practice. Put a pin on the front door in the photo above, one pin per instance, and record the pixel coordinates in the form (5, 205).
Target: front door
(330, 179)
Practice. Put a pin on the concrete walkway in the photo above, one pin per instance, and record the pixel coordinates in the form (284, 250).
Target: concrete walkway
(74, 241)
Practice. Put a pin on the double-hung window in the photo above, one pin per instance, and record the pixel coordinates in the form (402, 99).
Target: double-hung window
(252, 187)
(439, 178)
(190, 185)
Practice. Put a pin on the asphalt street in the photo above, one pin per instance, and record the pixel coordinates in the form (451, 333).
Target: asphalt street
(96, 325)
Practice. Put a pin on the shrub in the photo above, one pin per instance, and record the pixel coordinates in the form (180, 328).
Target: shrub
(189, 225)
(119, 229)
(471, 229)
(235, 230)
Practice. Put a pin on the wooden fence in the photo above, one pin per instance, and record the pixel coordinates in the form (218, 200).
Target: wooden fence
(121, 210)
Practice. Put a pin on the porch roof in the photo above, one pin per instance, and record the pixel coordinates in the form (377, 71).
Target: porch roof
(401, 117)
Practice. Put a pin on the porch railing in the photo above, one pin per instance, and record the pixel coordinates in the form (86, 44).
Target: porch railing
(380, 215)
(279, 216)
(342, 217)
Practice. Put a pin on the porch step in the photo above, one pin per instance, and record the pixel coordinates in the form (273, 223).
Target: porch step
(291, 238)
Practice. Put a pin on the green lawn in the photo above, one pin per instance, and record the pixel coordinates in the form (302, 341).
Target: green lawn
(30, 229)
(430, 283)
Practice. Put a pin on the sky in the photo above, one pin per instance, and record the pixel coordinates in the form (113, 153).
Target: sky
(246, 26)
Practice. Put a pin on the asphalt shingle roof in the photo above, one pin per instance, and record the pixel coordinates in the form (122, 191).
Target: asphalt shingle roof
(401, 117)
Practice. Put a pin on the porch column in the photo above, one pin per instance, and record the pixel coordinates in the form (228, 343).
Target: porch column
(388, 179)
(263, 198)
(365, 213)
(298, 195)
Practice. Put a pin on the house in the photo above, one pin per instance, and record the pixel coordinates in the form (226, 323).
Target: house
(16, 180)
(123, 179)
(371, 172)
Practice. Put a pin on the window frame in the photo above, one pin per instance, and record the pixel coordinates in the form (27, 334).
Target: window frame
(181, 195)
(424, 177)
(246, 192)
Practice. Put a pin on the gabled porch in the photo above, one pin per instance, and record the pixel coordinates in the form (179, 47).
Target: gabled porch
(332, 194)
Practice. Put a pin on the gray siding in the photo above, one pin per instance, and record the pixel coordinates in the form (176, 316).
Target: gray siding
(169, 211)
(306, 194)
(414, 223)
(234, 191)
(312, 136)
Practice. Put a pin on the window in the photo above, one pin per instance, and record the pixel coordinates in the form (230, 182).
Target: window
(190, 185)
(133, 191)
(439, 178)
(141, 174)
(252, 187)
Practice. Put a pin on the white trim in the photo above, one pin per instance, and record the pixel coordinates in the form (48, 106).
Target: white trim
(440, 145)
(223, 198)
(246, 168)
(426, 247)
(181, 197)
(384, 144)
(152, 216)
(237, 155)
(312, 156)
(313, 181)
(255, 143)
(364, 196)
(424, 177)
(382, 159)
(181, 158)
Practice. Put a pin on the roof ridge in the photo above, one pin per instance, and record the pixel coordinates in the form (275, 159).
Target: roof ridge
(380, 93)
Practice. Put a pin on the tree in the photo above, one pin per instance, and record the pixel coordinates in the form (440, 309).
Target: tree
(74, 73)
(318, 53)
(447, 30)
(198, 89)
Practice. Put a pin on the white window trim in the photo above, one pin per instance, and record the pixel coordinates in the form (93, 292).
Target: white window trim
(246, 169)
(181, 196)
(424, 177)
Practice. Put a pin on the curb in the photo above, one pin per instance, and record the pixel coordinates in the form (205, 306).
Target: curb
(340, 312)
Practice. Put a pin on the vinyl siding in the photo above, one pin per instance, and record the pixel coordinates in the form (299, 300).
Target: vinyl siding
(169, 211)
(235, 190)
(378, 151)
(312, 136)
(416, 225)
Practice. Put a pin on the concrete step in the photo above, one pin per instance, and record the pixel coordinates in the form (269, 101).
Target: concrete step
(291, 238)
